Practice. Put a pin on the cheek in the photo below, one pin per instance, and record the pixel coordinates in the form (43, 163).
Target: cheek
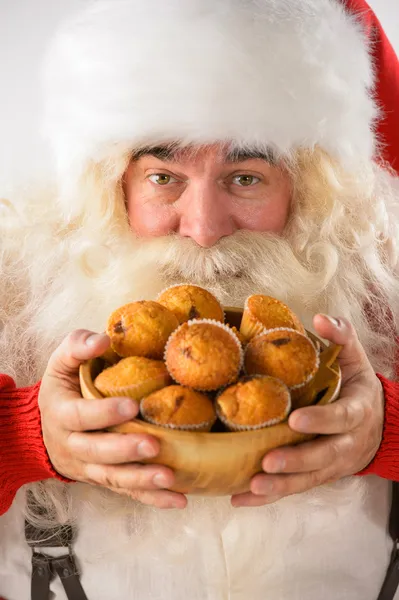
(270, 215)
(146, 217)
(151, 221)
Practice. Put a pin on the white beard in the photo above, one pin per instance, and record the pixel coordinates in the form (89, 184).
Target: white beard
(76, 285)
(79, 285)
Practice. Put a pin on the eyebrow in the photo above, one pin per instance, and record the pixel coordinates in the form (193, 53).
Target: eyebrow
(166, 153)
(234, 155)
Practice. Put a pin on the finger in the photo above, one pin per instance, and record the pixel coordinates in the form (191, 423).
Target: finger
(310, 456)
(341, 416)
(286, 485)
(249, 499)
(112, 448)
(76, 414)
(76, 348)
(131, 477)
(159, 499)
(352, 357)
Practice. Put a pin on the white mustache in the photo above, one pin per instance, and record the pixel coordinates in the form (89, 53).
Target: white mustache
(232, 256)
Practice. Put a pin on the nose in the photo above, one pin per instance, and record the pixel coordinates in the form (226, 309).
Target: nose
(204, 215)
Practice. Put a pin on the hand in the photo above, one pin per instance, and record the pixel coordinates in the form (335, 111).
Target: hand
(353, 426)
(78, 450)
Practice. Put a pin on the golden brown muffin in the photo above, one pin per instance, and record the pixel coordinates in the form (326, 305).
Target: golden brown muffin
(263, 312)
(204, 355)
(141, 329)
(254, 402)
(238, 334)
(189, 302)
(135, 376)
(110, 356)
(179, 407)
(282, 353)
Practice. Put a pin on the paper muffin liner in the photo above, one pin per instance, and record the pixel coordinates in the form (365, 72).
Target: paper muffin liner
(252, 326)
(175, 285)
(204, 426)
(297, 389)
(236, 427)
(218, 324)
(138, 391)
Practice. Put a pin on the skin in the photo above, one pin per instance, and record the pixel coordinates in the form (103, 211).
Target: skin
(206, 196)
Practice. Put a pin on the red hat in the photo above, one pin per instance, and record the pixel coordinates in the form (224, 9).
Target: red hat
(386, 70)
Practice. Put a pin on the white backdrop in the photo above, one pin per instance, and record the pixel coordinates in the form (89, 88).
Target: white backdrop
(25, 27)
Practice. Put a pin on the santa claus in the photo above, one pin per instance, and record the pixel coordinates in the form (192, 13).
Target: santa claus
(246, 146)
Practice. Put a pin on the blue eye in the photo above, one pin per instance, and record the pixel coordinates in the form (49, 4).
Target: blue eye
(162, 178)
(245, 180)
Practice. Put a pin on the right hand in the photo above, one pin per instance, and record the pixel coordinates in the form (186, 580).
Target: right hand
(76, 447)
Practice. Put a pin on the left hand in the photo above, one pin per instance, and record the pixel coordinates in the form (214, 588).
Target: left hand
(351, 428)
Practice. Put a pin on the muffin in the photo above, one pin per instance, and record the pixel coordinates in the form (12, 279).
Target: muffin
(254, 402)
(282, 353)
(110, 356)
(263, 312)
(204, 355)
(135, 376)
(238, 334)
(141, 329)
(189, 302)
(179, 407)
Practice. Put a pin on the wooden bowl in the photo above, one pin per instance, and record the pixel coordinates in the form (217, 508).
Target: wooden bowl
(217, 464)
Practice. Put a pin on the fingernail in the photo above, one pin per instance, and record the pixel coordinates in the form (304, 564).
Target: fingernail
(127, 409)
(333, 320)
(276, 465)
(145, 450)
(94, 339)
(160, 480)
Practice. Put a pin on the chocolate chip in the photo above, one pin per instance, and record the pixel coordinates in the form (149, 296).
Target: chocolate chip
(178, 402)
(193, 313)
(118, 327)
(187, 352)
(281, 342)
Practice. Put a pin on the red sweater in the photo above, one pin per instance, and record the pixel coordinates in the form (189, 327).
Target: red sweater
(23, 456)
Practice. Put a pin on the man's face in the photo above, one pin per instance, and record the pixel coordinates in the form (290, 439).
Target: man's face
(205, 194)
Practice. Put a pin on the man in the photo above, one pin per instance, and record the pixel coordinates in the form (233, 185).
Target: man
(229, 144)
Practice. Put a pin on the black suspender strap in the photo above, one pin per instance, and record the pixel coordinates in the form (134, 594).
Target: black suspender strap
(46, 568)
(391, 581)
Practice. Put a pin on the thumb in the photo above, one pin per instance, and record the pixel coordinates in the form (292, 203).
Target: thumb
(75, 349)
(352, 357)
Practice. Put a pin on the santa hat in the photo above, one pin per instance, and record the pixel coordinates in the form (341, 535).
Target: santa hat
(283, 74)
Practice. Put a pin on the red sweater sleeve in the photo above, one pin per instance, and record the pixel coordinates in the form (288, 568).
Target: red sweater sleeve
(386, 461)
(23, 456)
